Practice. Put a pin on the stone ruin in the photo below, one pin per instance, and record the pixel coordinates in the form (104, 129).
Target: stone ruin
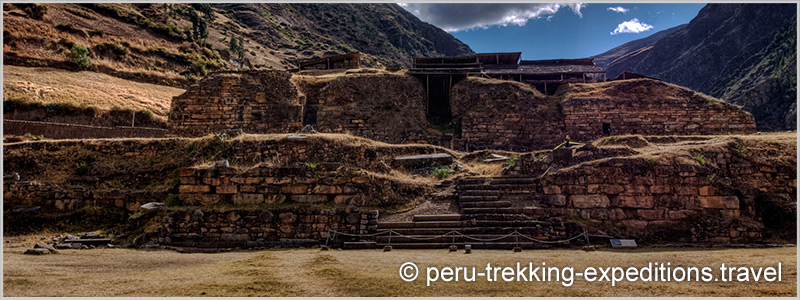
(484, 113)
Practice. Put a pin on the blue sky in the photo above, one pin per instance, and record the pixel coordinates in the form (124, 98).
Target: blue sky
(547, 31)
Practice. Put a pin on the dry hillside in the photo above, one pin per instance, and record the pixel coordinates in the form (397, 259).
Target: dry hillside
(173, 44)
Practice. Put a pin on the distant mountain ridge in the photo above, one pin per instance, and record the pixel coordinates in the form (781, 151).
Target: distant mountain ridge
(171, 44)
(742, 53)
(632, 47)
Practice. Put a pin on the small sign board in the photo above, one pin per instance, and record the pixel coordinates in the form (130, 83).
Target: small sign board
(623, 243)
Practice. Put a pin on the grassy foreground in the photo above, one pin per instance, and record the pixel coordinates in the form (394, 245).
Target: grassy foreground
(311, 272)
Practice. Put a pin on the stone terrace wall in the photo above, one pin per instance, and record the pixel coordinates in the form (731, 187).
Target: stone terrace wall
(505, 115)
(77, 131)
(384, 107)
(649, 107)
(637, 194)
(255, 101)
(329, 183)
(259, 228)
(23, 194)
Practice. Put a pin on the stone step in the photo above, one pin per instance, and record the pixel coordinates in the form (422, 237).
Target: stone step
(500, 187)
(505, 223)
(444, 239)
(513, 180)
(424, 231)
(474, 245)
(477, 198)
(479, 193)
(449, 217)
(501, 210)
(498, 217)
(476, 204)
(474, 180)
(390, 225)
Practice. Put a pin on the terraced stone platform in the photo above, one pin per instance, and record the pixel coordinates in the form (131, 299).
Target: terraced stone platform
(495, 213)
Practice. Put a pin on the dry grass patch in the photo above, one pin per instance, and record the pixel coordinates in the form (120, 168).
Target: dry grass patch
(310, 272)
(85, 88)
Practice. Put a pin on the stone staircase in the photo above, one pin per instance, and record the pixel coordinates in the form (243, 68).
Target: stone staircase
(491, 209)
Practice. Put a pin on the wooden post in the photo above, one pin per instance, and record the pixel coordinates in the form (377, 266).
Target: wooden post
(427, 94)
(584, 77)
(133, 119)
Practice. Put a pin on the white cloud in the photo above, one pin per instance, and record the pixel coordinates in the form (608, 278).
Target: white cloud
(618, 9)
(632, 26)
(457, 17)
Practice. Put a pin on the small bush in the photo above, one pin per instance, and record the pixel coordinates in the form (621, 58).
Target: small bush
(66, 43)
(739, 150)
(36, 11)
(82, 168)
(79, 56)
(651, 160)
(115, 48)
(173, 200)
(700, 159)
(68, 27)
(311, 166)
(97, 32)
(442, 173)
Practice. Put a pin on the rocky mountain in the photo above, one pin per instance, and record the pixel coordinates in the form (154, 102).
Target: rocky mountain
(177, 43)
(632, 47)
(743, 53)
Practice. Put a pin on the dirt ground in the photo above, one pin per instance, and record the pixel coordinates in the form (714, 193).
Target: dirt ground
(311, 272)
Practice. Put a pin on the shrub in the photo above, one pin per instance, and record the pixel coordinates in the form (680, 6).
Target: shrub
(36, 11)
(700, 159)
(442, 173)
(651, 160)
(173, 200)
(97, 32)
(68, 27)
(311, 166)
(66, 43)
(739, 150)
(115, 48)
(79, 56)
(82, 168)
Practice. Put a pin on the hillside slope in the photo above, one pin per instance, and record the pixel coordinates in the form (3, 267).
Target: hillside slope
(632, 47)
(720, 53)
(174, 44)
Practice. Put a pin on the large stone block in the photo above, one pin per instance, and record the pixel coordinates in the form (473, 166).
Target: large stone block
(309, 198)
(248, 198)
(326, 189)
(295, 189)
(635, 201)
(183, 189)
(589, 201)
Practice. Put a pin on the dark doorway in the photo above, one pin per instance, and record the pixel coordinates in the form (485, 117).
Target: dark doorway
(606, 129)
(438, 92)
(310, 114)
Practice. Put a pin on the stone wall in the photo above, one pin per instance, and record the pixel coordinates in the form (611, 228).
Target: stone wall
(259, 228)
(650, 107)
(255, 101)
(721, 200)
(302, 183)
(77, 131)
(586, 118)
(508, 115)
(22, 194)
(385, 107)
